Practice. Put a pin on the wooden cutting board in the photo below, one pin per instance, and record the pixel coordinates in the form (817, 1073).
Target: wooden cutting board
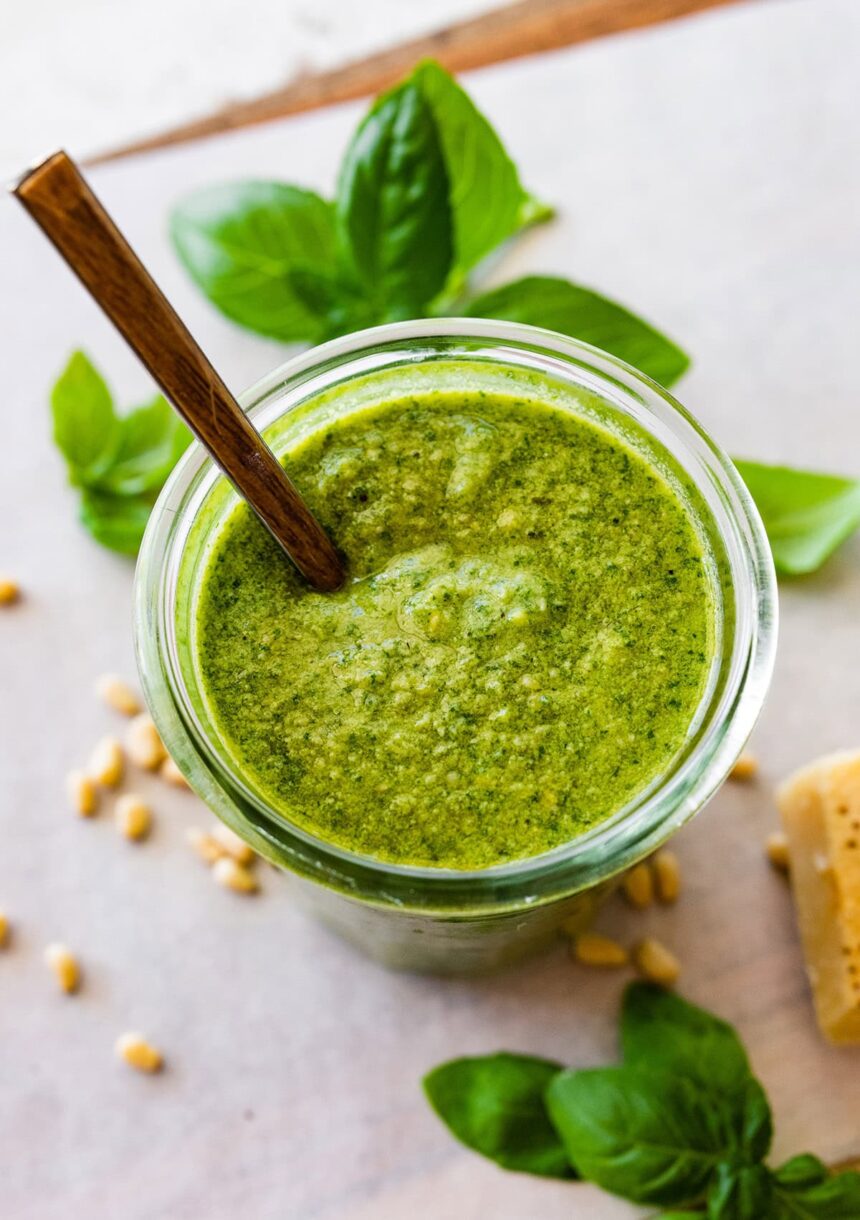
(705, 174)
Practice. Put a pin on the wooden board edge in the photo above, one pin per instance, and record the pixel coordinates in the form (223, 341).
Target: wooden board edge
(524, 28)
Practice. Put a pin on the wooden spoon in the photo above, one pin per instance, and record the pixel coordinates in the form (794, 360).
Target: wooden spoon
(62, 204)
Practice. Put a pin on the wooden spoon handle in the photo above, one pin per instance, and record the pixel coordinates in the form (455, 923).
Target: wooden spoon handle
(62, 204)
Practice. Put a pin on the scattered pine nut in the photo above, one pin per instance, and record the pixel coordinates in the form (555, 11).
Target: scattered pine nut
(133, 816)
(745, 768)
(82, 793)
(638, 886)
(143, 743)
(107, 763)
(65, 966)
(570, 927)
(776, 847)
(171, 774)
(134, 1050)
(592, 949)
(206, 847)
(234, 876)
(667, 870)
(118, 694)
(656, 962)
(10, 591)
(4, 929)
(232, 845)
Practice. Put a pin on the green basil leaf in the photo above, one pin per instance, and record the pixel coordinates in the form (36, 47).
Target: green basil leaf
(663, 1031)
(806, 515)
(488, 202)
(152, 439)
(800, 1172)
(335, 300)
(648, 1136)
(557, 304)
(86, 429)
(495, 1105)
(755, 1121)
(392, 205)
(241, 243)
(117, 522)
(741, 1192)
(836, 1198)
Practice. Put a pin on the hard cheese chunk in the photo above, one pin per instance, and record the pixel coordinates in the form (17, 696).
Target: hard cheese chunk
(820, 809)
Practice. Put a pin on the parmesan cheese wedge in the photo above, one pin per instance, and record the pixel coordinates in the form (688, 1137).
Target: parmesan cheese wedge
(820, 808)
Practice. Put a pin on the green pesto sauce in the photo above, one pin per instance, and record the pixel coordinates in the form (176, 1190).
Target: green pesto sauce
(521, 647)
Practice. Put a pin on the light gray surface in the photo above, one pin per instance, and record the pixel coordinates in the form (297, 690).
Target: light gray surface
(96, 74)
(707, 174)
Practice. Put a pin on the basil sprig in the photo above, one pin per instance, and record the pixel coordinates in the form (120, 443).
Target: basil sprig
(425, 192)
(681, 1124)
(119, 462)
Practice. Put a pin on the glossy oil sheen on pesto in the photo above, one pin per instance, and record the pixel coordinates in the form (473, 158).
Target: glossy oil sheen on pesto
(521, 647)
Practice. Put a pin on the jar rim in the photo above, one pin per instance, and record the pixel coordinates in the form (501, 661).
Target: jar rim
(611, 845)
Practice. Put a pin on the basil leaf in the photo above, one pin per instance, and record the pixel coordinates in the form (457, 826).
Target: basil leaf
(800, 1172)
(754, 1121)
(488, 202)
(648, 1136)
(117, 522)
(86, 429)
(806, 515)
(392, 205)
(557, 304)
(495, 1105)
(240, 244)
(741, 1192)
(334, 300)
(660, 1030)
(152, 439)
(836, 1198)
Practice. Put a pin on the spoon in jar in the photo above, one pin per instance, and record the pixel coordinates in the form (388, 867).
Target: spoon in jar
(69, 213)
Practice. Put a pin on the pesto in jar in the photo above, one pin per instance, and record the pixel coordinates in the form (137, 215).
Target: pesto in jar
(521, 647)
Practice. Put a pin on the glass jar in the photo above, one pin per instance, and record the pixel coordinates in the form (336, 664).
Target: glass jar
(440, 919)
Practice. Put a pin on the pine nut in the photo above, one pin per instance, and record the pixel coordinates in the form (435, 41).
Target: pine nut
(143, 743)
(206, 847)
(118, 694)
(107, 763)
(656, 962)
(234, 876)
(82, 793)
(776, 847)
(10, 591)
(638, 886)
(592, 949)
(134, 1050)
(232, 845)
(171, 774)
(667, 870)
(745, 768)
(4, 929)
(133, 816)
(65, 966)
